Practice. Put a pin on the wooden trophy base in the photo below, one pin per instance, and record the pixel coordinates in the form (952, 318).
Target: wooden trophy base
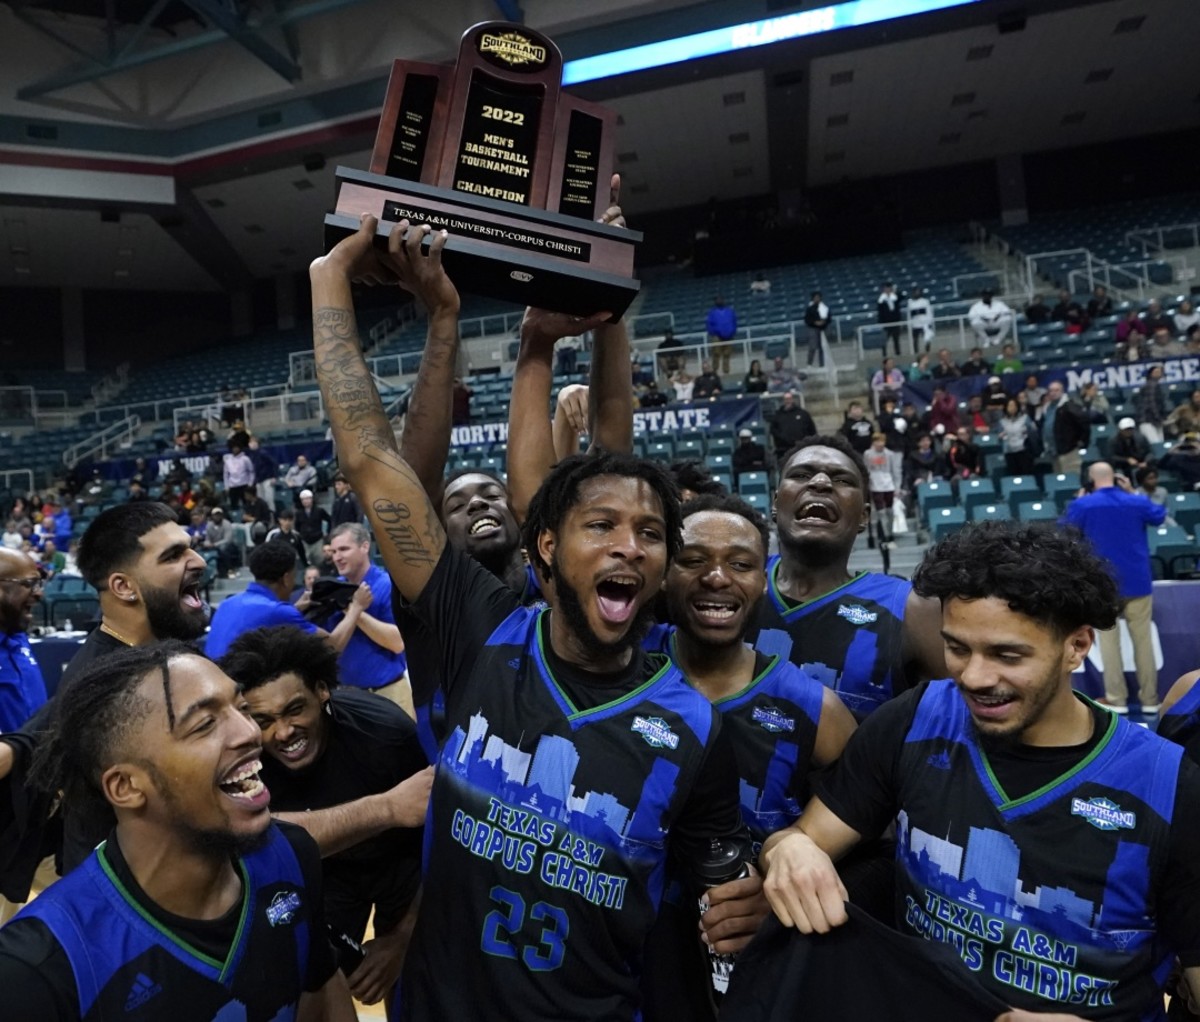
(500, 249)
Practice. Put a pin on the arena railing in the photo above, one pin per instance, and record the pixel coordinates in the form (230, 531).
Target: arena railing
(1134, 285)
(1155, 237)
(102, 443)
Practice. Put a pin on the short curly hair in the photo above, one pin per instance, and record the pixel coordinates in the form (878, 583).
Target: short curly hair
(837, 442)
(731, 505)
(1039, 569)
(560, 491)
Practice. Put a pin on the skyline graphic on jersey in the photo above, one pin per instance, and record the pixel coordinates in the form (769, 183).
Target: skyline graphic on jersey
(985, 874)
(541, 781)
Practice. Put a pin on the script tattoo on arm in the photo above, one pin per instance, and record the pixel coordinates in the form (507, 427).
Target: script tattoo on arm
(406, 527)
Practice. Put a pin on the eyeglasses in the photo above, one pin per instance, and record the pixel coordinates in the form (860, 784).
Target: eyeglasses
(34, 585)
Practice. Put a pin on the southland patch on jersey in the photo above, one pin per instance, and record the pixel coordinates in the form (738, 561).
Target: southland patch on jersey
(656, 731)
(1103, 814)
(283, 908)
(771, 719)
(857, 615)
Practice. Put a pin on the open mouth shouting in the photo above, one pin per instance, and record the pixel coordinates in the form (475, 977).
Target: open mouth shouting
(189, 592)
(816, 511)
(242, 784)
(616, 596)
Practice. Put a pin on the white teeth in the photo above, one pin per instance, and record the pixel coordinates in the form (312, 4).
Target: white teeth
(487, 523)
(250, 792)
(296, 746)
(249, 770)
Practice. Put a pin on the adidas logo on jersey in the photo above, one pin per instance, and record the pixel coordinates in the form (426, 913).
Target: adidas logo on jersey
(656, 731)
(857, 615)
(940, 760)
(283, 908)
(142, 990)
(1104, 814)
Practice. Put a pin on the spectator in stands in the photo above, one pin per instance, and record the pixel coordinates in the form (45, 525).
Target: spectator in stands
(889, 312)
(237, 435)
(460, 403)
(256, 528)
(1094, 402)
(253, 503)
(266, 469)
(995, 397)
(312, 523)
(990, 318)
(1184, 460)
(978, 418)
(920, 369)
(894, 426)
(1114, 520)
(1150, 406)
(721, 324)
(1156, 318)
(816, 320)
(964, 457)
(856, 427)
(784, 378)
(22, 688)
(1164, 345)
(567, 350)
(946, 369)
(707, 385)
(1186, 319)
(884, 476)
(239, 473)
(218, 540)
(1016, 438)
(196, 528)
(137, 491)
(266, 602)
(749, 455)
(1065, 428)
(345, 504)
(1070, 313)
(760, 285)
(976, 365)
(789, 425)
(943, 410)
(922, 464)
(1009, 361)
(912, 417)
(1185, 418)
(651, 396)
(301, 476)
(12, 538)
(285, 532)
(670, 354)
(1037, 311)
(1128, 450)
(756, 380)
(1100, 304)
(1130, 331)
(682, 383)
(888, 382)
(1146, 480)
(52, 560)
(1032, 395)
(920, 320)
(141, 472)
(637, 375)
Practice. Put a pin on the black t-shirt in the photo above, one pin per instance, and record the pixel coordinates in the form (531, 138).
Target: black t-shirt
(39, 982)
(861, 790)
(371, 747)
(559, 795)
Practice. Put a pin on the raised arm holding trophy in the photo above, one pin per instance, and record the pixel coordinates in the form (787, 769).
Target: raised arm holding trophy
(516, 172)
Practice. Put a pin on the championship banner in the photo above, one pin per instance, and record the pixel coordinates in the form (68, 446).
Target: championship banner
(1110, 375)
(672, 419)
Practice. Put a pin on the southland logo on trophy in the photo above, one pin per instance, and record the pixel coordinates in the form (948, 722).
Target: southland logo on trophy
(515, 170)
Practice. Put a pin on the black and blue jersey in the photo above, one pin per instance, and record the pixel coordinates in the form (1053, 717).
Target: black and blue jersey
(1051, 898)
(849, 639)
(123, 958)
(1181, 723)
(557, 800)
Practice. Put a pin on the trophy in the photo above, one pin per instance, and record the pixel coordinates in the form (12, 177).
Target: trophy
(516, 171)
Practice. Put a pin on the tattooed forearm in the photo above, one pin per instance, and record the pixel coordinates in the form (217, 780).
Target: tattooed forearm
(394, 524)
(351, 399)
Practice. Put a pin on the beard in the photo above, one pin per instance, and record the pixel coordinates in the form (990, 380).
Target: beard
(210, 842)
(570, 606)
(1035, 700)
(168, 619)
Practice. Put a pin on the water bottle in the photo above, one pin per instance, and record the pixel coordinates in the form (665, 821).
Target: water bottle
(728, 859)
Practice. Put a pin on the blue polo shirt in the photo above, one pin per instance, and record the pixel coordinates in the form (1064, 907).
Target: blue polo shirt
(1115, 524)
(364, 663)
(257, 607)
(22, 690)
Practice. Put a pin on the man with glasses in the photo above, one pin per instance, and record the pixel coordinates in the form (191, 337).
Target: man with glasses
(22, 690)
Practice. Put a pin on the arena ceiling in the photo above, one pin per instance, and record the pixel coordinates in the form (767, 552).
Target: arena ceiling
(207, 131)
